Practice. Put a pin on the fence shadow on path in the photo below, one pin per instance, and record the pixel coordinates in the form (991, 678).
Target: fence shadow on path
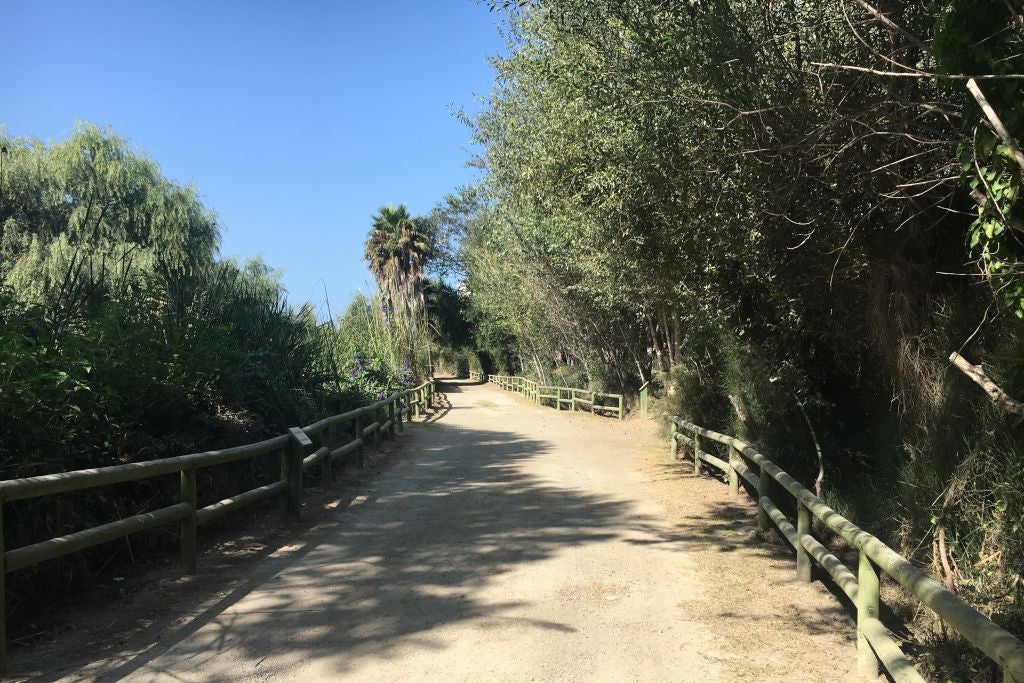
(453, 511)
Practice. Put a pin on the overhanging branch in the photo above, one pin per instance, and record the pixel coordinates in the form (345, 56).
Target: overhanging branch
(978, 376)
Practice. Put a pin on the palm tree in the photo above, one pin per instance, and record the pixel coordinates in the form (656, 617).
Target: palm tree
(397, 250)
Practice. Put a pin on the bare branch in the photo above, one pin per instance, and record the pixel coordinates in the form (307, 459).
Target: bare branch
(978, 375)
(997, 124)
(892, 26)
(921, 74)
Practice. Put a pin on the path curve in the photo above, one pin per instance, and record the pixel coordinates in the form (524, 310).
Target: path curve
(508, 542)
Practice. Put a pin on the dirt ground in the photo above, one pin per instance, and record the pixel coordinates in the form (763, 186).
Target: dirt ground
(497, 541)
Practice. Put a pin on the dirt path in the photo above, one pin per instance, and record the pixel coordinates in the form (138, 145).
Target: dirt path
(509, 542)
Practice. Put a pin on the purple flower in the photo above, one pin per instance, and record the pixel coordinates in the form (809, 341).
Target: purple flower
(380, 396)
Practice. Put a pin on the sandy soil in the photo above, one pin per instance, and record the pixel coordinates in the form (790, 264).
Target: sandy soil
(501, 541)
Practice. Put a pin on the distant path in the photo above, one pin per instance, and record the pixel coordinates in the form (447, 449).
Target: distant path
(509, 542)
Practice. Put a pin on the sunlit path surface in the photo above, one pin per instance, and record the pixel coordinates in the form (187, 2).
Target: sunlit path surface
(512, 542)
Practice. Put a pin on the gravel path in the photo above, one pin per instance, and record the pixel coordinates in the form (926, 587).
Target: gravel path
(508, 542)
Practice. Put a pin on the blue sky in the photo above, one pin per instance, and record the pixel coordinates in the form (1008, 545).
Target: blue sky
(295, 120)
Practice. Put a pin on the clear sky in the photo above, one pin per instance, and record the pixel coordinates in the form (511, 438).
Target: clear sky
(295, 120)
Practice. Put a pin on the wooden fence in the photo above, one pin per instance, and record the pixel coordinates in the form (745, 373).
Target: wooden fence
(476, 376)
(561, 398)
(874, 642)
(319, 444)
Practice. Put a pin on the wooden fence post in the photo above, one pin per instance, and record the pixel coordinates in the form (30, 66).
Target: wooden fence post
(622, 416)
(285, 468)
(763, 480)
(698, 464)
(376, 432)
(867, 608)
(393, 415)
(675, 443)
(734, 478)
(360, 453)
(293, 470)
(187, 530)
(326, 470)
(803, 527)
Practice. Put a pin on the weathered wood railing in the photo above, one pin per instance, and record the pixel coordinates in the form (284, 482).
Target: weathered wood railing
(476, 376)
(874, 642)
(561, 398)
(299, 450)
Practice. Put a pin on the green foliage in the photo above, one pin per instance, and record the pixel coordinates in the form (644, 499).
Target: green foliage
(370, 349)
(123, 338)
(987, 37)
(89, 216)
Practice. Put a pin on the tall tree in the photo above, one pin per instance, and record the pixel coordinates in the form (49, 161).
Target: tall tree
(397, 250)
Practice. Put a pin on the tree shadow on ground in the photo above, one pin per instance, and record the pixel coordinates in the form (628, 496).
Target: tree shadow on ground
(729, 526)
(455, 512)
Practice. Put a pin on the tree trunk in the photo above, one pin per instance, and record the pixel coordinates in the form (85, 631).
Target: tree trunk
(675, 339)
(654, 342)
(668, 337)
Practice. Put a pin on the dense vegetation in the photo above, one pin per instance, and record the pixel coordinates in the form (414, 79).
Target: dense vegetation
(123, 337)
(790, 215)
(787, 215)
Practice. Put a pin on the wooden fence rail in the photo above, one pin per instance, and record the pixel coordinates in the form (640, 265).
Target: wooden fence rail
(874, 642)
(302, 448)
(561, 398)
